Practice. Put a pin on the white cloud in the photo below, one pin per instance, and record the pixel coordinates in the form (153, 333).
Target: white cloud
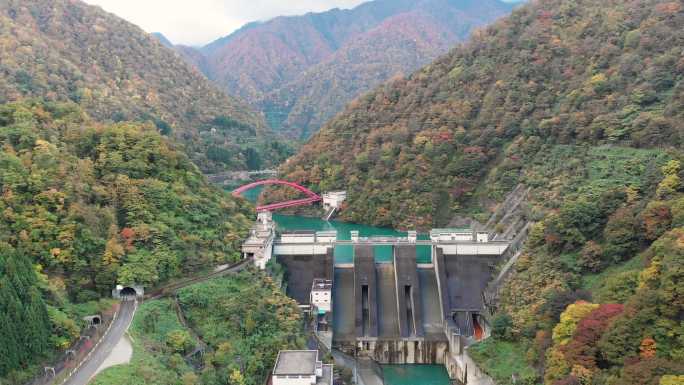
(197, 22)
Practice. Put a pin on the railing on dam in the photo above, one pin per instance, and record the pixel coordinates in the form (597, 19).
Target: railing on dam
(287, 246)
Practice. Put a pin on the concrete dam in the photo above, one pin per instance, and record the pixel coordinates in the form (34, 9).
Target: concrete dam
(405, 310)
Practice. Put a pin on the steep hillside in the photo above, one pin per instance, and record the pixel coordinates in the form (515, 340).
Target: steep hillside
(64, 50)
(582, 101)
(302, 70)
(163, 39)
(85, 206)
(580, 74)
(400, 44)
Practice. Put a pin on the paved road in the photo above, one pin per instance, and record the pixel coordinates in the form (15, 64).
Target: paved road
(89, 367)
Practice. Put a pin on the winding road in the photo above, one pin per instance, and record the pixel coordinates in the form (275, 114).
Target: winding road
(104, 348)
(88, 368)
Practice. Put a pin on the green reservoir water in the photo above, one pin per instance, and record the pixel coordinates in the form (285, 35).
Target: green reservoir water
(415, 375)
(345, 253)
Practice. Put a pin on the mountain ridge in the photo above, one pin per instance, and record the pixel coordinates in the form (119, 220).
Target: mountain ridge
(67, 50)
(266, 62)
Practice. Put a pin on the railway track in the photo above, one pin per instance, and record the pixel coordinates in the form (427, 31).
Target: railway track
(171, 289)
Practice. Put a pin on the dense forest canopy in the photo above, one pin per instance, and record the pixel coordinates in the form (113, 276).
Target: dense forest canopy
(89, 205)
(302, 70)
(564, 72)
(61, 50)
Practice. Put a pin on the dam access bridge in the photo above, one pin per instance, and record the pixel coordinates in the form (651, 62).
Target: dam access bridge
(397, 300)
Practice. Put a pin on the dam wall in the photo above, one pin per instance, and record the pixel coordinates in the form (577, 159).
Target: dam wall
(302, 269)
(396, 317)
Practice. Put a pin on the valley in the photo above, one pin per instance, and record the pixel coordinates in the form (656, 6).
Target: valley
(300, 71)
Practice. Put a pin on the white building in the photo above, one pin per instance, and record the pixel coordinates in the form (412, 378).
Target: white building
(301, 236)
(452, 235)
(334, 199)
(259, 244)
(301, 367)
(321, 295)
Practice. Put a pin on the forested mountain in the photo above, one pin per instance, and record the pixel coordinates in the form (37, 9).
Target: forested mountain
(399, 45)
(86, 205)
(63, 50)
(302, 70)
(162, 39)
(577, 75)
(583, 101)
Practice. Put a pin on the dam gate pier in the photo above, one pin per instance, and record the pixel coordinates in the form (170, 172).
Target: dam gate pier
(408, 307)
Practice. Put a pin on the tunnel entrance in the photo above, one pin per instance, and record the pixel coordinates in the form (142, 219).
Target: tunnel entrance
(128, 293)
(96, 320)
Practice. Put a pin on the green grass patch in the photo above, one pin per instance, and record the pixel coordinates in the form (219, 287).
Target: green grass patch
(575, 170)
(145, 368)
(501, 359)
(616, 283)
(155, 320)
(244, 318)
(593, 282)
(154, 362)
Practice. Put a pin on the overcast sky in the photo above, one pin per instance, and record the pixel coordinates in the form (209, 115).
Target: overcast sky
(198, 22)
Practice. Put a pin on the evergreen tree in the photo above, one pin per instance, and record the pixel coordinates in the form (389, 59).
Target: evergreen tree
(24, 322)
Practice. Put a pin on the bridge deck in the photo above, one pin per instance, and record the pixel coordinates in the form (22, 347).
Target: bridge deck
(397, 242)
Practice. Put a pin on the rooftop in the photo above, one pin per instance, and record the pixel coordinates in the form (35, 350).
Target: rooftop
(291, 362)
(452, 230)
(321, 284)
(298, 232)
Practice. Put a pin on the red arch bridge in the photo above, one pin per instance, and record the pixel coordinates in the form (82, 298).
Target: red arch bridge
(311, 197)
